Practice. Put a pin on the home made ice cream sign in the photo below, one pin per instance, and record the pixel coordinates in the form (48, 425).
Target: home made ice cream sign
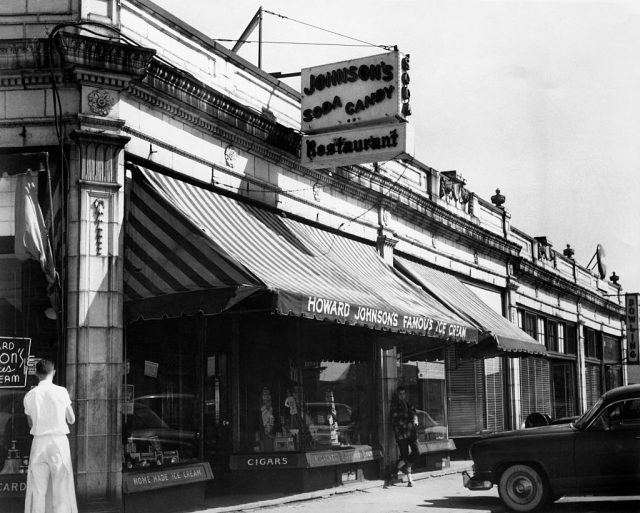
(14, 354)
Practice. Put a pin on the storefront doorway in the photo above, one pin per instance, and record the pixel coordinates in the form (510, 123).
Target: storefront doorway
(218, 424)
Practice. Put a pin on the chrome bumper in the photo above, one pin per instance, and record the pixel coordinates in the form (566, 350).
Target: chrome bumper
(473, 483)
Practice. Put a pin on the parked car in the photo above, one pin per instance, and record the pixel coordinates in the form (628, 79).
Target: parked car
(597, 454)
(318, 423)
(428, 426)
(158, 422)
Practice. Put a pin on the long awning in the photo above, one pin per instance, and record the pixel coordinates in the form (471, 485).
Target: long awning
(496, 334)
(189, 248)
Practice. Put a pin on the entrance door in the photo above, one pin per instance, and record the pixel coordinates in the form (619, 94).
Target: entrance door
(217, 415)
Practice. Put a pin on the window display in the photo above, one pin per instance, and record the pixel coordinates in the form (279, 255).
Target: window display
(27, 333)
(294, 398)
(160, 404)
(424, 381)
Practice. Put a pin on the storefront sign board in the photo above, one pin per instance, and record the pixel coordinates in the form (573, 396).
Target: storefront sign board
(311, 459)
(349, 313)
(352, 92)
(14, 354)
(12, 485)
(632, 310)
(357, 146)
(133, 482)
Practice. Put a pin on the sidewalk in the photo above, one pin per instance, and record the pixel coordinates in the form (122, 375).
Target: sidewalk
(246, 502)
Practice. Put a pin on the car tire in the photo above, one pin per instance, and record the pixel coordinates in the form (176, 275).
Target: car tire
(523, 489)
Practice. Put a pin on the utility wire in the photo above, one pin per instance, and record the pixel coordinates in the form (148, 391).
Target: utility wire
(386, 47)
(287, 43)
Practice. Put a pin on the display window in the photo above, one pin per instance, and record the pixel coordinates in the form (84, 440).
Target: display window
(423, 376)
(27, 333)
(161, 397)
(304, 386)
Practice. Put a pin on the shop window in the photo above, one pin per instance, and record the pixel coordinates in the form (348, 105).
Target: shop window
(494, 383)
(564, 388)
(535, 386)
(593, 381)
(466, 395)
(424, 380)
(304, 393)
(161, 407)
(25, 330)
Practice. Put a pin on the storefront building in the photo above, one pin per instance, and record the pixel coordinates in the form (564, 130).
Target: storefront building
(229, 319)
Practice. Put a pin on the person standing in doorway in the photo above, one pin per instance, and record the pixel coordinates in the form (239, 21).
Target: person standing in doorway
(405, 422)
(48, 409)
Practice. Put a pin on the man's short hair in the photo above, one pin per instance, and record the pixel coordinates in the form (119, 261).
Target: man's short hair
(44, 367)
(401, 389)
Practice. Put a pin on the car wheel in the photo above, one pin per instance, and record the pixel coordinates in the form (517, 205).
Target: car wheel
(523, 489)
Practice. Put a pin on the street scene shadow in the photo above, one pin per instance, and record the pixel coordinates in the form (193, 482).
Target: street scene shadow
(566, 505)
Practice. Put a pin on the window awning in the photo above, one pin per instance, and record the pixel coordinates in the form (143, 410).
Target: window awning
(191, 249)
(496, 334)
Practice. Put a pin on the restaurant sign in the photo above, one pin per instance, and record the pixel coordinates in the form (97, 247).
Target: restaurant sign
(348, 313)
(357, 145)
(14, 354)
(632, 310)
(355, 92)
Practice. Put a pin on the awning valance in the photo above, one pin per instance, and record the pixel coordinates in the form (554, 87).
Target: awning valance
(496, 334)
(190, 248)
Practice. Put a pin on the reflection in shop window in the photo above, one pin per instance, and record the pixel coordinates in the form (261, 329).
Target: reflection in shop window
(321, 405)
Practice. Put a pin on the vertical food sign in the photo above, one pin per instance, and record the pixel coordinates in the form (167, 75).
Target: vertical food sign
(14, 354)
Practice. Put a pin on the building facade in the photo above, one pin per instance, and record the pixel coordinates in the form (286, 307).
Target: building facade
(225, 317)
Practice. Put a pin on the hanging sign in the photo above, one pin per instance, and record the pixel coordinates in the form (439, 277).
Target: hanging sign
(357, 146)
(632, 310)
(14, 354)
(369, 90)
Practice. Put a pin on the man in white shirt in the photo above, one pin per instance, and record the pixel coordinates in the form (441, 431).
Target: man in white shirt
(48, 409)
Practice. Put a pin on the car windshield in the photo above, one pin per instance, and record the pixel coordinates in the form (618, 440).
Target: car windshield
(588, 416)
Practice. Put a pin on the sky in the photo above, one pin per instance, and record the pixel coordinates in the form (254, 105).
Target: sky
(540, 99)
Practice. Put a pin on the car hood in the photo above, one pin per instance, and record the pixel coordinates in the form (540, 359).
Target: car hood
(529, 432)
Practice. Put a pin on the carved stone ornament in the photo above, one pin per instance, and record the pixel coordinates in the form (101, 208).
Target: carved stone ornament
(317, 190)
(100, 102)
(230, 156)
(98, 218)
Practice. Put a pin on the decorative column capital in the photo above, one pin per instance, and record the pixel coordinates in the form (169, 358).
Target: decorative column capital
(99, 153)
(385, 245)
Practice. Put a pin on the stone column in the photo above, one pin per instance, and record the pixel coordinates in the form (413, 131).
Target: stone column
(101, 70)
(512, 364)
(94, 309)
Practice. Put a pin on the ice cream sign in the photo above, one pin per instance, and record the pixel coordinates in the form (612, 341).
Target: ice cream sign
(14, 353)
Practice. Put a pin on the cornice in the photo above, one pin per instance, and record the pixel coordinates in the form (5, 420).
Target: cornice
(105, 56)
(178, 85)
(529, 272)
(106, 62)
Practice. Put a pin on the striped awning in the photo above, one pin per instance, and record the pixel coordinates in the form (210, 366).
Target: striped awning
(190, 248)
(496, 334)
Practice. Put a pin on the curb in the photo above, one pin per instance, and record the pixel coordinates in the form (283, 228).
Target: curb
(323, 494)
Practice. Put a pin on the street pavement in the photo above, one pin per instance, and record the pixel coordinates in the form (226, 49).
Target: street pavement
(437, 492)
